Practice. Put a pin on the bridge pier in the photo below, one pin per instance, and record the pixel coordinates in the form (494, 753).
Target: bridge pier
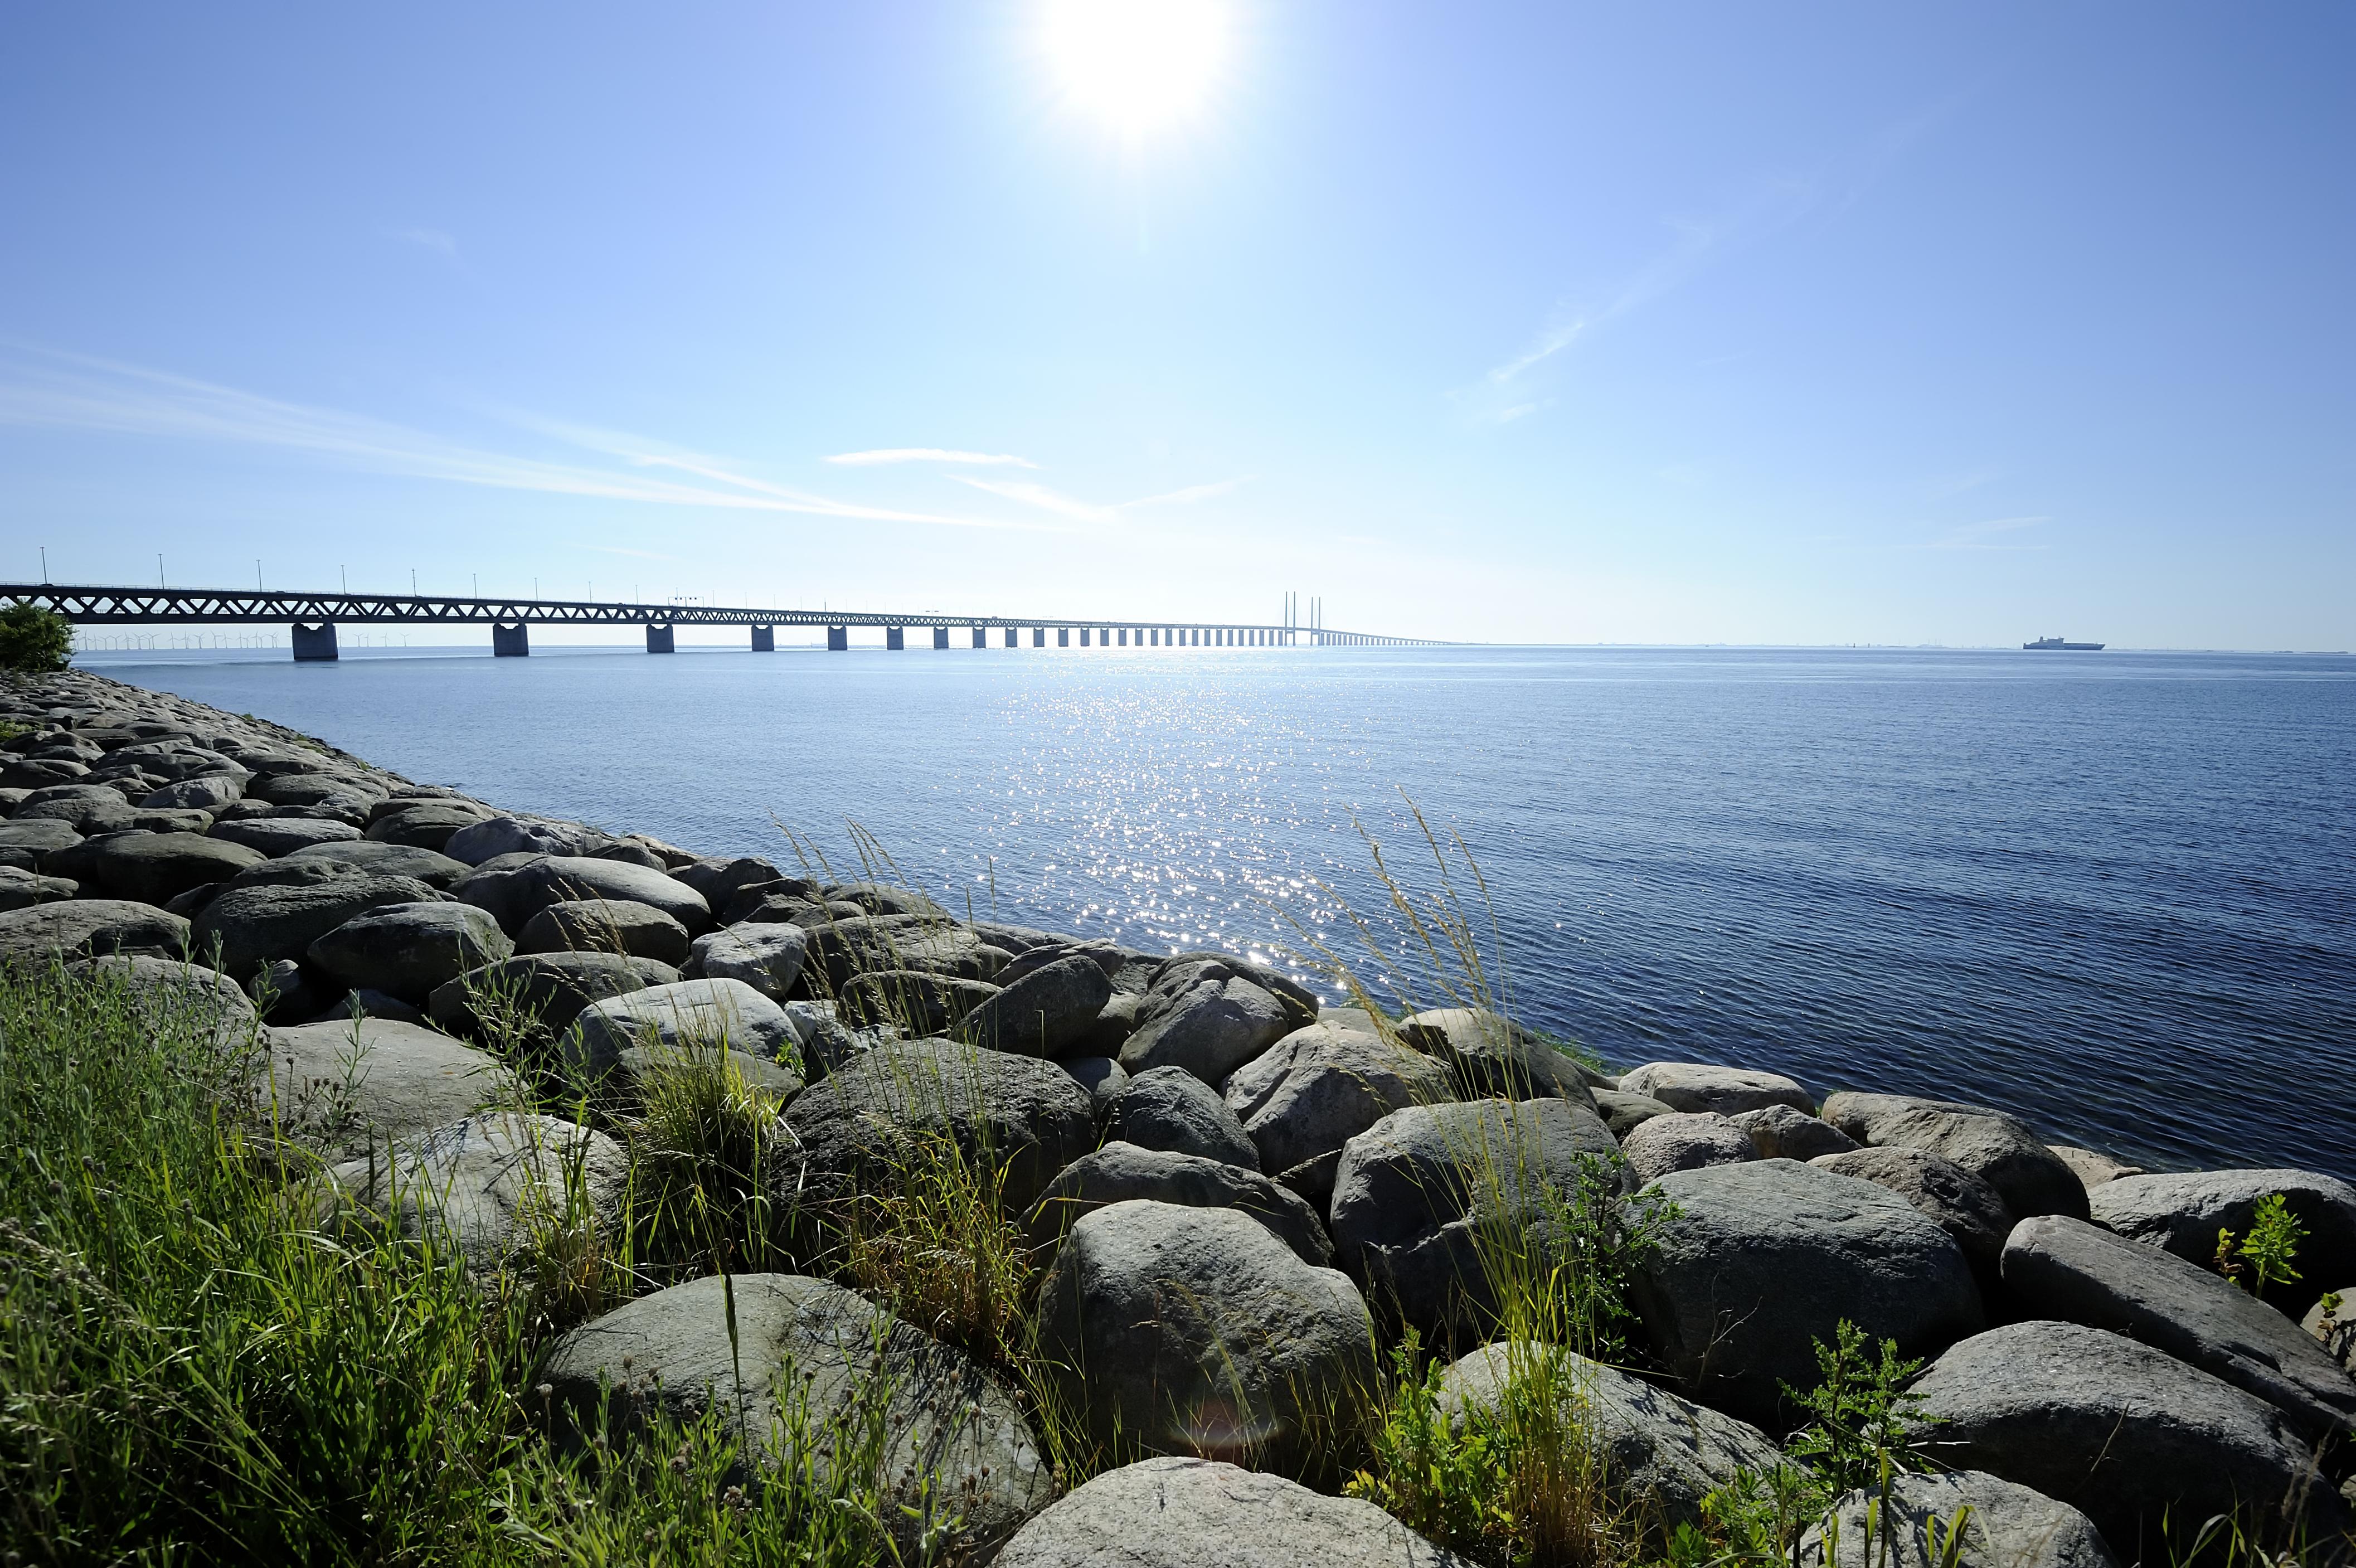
(838, 638)
(658, 638)
(1083, 637)
(1063, 637)
(510, 641)
(1013, 638)
(896, 638)
(940, 637)
(1038, 637)
(980, 638)
(315, 643)
(764, 639)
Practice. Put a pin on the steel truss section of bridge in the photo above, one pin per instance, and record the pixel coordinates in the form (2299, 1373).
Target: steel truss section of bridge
(313, 618)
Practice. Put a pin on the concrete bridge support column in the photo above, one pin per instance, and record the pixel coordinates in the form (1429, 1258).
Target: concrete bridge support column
(1123, 635)
(1083, 637)
(1013, 638)
(980, 638)
(659, 639)
(896, 638)
(1038, 637)
(510, 641)
(940, 637)
(764, 639)
(1063, 637)
(838, 638)
(315, 642)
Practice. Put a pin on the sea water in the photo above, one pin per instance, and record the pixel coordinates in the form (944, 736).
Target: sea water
(2113, 893)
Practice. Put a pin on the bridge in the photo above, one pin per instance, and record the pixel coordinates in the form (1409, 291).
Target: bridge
(313, 618)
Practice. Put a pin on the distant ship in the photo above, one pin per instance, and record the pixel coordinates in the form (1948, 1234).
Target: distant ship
(2055, 645)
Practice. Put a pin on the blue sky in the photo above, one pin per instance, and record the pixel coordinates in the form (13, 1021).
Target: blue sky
(1664, 323)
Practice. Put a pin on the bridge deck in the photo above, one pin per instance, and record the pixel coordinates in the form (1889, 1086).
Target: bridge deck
(86, 605)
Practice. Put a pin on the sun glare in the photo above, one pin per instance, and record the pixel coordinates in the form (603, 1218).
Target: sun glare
(1135, 63)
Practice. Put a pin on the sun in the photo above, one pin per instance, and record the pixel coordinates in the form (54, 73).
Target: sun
(1136, 64)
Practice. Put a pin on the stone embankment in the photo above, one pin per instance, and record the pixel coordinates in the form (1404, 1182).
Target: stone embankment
(1245, 1194)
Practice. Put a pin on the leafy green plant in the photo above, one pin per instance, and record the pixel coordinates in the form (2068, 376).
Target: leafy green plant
(1449, 1481)
(1861, 1417)
(2270, 1250)
(33, 639)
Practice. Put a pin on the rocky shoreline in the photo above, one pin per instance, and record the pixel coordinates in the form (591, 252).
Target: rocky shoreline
(1241, 1198)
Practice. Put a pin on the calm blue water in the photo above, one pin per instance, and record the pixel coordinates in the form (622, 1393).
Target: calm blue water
(2113, 893)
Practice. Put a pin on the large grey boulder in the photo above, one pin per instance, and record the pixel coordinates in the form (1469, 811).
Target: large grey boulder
(550, 988)
(21, 889)
(1320, 1087)
(537, 883)
(427, 824)
(721, 880)
(605, 925)
(2090, 1168)
(1780, 1132)
(1209, 1017)
(1047, 1012)
(205, 792)
(1490, 1057)
(2124, 1433)
(1170, 1108)
(1024, 1114)
(479, 842)
(255, 923)
(156, 868)
(1958, 1202)
(1123, 1172)
(915, 1002)
(767, 958)
(275, 836)
(40, 834)
(842, 948)
(1727, 1090)
(2008, 1526)
(2068, 1270)
(1413, 1194)
(436, 871)
(1685, 1141)
(1102, 1076)
(88, 927)
(688, 1014)
(2184, 1214)
(85, 812)
(408, 949)
(500, 1186)
(1762, 1259)
(786, 1360)
(351, 1085)
(1624, 1113)
(312, 788)
(1179, 1512)
(1661, 1455)
(171, 993)
(1196, 1330)
(2000, 1150)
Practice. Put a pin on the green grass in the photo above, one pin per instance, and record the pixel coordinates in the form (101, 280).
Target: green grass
(201, 1362)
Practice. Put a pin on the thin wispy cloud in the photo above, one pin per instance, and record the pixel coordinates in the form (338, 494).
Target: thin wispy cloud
(49, 390)
(930, 455)
(1034, 494)
(1191, 494)
(1994, 534)
(1042, 498)
(429, 239)
(1769, 206)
